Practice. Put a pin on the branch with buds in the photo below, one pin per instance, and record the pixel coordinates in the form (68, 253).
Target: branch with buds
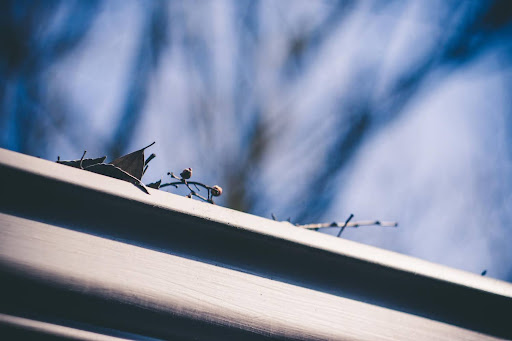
(186, 174)
(347, 223)
(351, 224)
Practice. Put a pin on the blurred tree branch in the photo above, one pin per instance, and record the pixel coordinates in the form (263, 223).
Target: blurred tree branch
(270, 57)
(29, 45)
(152, 41)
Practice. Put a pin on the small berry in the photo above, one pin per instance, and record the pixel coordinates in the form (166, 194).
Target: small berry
(216, 191)
(186, 174)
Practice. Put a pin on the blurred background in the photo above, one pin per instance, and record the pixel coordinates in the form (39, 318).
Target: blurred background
(311, 110)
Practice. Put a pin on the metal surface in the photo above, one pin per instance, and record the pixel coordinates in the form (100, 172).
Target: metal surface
(108, 272)
(18, 328)
(42, 191)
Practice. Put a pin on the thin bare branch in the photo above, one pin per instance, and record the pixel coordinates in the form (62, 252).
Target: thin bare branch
(82, 159)
(354, 224)
(345, 224)
(211, 191)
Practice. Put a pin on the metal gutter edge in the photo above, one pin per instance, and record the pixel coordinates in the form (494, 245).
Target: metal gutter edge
(248, 243)
(248, 222)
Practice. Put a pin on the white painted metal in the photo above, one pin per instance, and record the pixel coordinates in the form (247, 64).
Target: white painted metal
(173, 285)
(53, 330)
(220, 271)
(251, 223)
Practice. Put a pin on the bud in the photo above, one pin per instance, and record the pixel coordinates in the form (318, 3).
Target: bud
(186, 174)
(216, 191)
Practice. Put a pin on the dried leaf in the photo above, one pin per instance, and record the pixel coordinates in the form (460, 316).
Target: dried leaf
(132, 163)
(155, 185)
(117, 173)
(85, 162)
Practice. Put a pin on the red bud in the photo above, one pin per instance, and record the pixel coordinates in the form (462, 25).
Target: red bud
(186, 174)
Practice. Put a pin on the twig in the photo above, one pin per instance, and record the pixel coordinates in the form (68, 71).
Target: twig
(354, 224)
(151, 157)
(82, 159)
(345, 225)
(211, 191)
